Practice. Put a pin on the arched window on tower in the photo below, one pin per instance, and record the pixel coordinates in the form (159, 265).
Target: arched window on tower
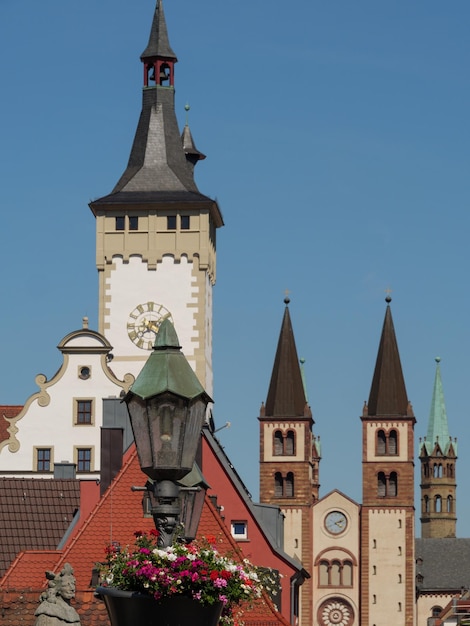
(425, 467)
(347, 574)
(426, 504)
(323, 573)
(438, 504)
(393, 484)
(393, 442)
(335, 574)
(289, 485)
(449, 504)
(381, 442)
(278, 485)
(381, 485)
(278, 443)
(290, 443)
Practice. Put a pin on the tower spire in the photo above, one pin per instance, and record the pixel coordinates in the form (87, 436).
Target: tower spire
(158, 169)
(438, 430)
(388, 392)
(286, 394)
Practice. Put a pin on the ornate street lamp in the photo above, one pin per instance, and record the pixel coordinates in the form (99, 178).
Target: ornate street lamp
(167, 407)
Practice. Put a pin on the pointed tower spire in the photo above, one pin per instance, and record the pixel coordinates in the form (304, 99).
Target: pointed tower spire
(438, 430)
(438, 456)
(286, 395)
(159, 43)
(388, 392)
(158, 169)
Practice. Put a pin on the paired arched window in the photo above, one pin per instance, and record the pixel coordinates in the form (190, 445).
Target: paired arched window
(437, 470)
(284, 443)
(387, 486)
(335, 573)
(387, 442)
(284, 485)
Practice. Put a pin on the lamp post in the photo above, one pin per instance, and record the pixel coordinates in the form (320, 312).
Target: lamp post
(167, 406)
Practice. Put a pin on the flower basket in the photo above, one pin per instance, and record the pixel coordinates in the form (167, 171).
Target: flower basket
(127, 608)
(178, 584)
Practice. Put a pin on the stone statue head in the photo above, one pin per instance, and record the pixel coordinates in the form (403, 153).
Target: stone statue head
(62, 584)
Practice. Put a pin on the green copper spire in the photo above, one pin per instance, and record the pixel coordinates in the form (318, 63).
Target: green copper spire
(438, 430)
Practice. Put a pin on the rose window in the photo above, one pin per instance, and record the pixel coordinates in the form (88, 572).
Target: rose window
(335, 613)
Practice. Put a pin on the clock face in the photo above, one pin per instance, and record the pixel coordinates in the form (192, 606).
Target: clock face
(336, 522)
(144, 322)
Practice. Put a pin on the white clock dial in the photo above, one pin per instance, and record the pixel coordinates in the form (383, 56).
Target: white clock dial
(144, 322)
(336, 522)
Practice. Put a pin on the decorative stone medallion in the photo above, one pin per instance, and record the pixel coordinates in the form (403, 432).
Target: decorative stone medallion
(335, 612)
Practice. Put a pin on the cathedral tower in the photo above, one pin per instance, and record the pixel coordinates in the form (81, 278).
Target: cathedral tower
(289, 454)
(438, 456)
(156, 233)
(387, 537)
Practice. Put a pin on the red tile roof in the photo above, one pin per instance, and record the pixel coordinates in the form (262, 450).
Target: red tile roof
(34, 515)
(115, 518)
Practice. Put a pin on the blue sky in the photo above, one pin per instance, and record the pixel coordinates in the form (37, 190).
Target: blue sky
(338, 143)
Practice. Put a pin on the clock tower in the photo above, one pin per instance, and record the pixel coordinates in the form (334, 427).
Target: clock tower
(156, 233)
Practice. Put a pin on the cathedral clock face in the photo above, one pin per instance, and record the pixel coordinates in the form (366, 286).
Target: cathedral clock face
(336, 522)
(144, 322)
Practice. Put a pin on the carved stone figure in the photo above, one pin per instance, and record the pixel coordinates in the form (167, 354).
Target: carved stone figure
(55, 609)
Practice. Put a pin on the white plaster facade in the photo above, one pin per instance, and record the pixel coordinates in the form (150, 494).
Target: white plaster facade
(171, 285)
(49, 419)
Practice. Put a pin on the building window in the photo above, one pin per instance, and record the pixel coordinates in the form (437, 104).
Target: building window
(387, 443)
(284, 445)
(133, 222)
(335, 573)
(436, 611)
(381, 485)
(184, 222)
(83, 459)
(84, 412)
(120, 222)
(387, 486)
(392, 442)
(290, 443)
(289, 485)
(84, 372)
(278, 443)
(171, 222)
(438, 504)
(381, 442)
(239, 530)
(449, 504)
(278, 485)
(43, 459)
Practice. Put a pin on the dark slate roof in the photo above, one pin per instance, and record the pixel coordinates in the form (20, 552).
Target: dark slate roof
(159, 44)
(34, 514)
(443, 563)
(388, 393)
(286, 395)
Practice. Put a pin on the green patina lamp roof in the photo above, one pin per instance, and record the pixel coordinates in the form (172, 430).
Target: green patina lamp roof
(167, 369)
(438, 429)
